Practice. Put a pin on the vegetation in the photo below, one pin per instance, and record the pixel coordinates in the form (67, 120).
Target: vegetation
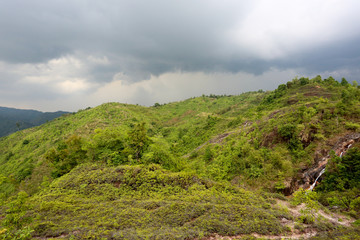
(207, 166)
(340, 187)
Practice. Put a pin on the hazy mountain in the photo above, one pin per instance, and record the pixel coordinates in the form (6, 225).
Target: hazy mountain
(12, 119)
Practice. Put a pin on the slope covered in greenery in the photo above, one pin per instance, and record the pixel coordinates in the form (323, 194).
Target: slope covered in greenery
(183, 170)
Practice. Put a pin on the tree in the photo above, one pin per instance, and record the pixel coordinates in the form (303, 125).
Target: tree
(317, 79)
(289, 132)
(331, 81)
(304, 81)
(138, 140)
(346, 97)
(66, 156)
(108, 145)
(344, 82)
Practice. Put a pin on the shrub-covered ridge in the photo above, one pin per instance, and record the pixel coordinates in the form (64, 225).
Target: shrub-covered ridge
(138, 202)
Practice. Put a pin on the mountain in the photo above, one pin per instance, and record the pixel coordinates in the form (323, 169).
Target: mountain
(12, 120)
(210, 167)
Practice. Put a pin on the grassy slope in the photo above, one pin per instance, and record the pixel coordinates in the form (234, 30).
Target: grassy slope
(147, 202)
(23, 152)
(214, 139)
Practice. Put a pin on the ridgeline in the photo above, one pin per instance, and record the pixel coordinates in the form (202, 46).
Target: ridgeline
(12, 119)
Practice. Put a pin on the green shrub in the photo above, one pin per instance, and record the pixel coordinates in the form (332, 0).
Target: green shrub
(67, 155)
(342, 173)
(309, 198)
(17, 218)
(352, 126)
(355, 205)
(208, 155)
(24, 171)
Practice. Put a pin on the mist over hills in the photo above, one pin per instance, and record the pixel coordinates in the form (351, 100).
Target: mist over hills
(12, 119)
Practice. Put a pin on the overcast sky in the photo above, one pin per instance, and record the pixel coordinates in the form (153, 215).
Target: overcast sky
(69, 55)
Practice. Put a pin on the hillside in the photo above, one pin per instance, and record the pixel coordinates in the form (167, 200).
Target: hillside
(209, 167)
(12, 120)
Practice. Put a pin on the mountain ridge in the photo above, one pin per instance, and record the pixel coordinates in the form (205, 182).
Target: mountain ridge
(13, 119)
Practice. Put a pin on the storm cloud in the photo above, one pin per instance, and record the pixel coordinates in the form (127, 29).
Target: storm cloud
(72, 54)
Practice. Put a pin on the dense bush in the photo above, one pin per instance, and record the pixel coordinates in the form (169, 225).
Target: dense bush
(66, 156)
(343, 173)
(148, 202)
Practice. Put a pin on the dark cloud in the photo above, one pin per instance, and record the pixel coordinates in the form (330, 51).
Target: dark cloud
(80, 46)
(137, 36)
(342, 56)
(144, 38)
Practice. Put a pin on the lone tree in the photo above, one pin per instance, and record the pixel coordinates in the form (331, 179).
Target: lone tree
(138, 140)
(18, 125)
(344, 82)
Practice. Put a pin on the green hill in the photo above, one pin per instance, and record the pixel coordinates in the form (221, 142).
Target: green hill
(207, 167)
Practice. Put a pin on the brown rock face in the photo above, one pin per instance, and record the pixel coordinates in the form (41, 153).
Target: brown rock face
(308, 176)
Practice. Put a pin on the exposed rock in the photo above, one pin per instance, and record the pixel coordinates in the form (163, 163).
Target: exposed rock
(308, 176)
(307, 136)
(292, 101)
(270, 139)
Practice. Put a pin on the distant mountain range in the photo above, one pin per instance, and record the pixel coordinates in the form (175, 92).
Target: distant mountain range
(12, 119)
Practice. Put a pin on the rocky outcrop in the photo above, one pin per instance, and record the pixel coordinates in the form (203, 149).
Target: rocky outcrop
(308, 176)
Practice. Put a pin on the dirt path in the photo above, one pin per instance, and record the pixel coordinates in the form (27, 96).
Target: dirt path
(306, 235)
(334, 218)
(337, 219)
(308, 232)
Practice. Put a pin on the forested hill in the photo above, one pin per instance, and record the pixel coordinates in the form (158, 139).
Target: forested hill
(208, 167)
(12, 119)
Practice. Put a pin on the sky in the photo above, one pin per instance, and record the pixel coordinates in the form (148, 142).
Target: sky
(70, 55)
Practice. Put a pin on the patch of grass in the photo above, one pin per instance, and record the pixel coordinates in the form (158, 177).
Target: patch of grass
(147, 202)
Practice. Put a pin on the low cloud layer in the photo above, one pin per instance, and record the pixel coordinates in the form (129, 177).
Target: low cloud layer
(73, 54)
